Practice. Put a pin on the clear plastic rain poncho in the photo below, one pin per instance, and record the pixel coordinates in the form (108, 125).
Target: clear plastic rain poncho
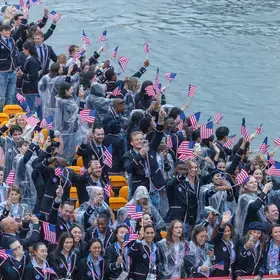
(103, 207)
(66, 121)
(17, 210)
(10, 150)
(244, 201)
(172, 260)
(48, 88)
(96, 100)
(23, 179)
(142, 192)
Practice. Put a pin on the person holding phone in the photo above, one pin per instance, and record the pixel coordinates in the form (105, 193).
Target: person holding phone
(217, 194)
(250, 253)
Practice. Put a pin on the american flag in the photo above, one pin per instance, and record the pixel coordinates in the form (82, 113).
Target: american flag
(270, 160)
(54, 15)
(4, 254)
(184, 157)
(156, 82)
(264, 147)
(20, 98)
(88, 115)
(30, 119)
(108, 159)
(206, 130)
(48, 270)
(85, 38)
(134, 211)
(47, 121)
(220, 265)
(185, 149)
(274, 169)
(151, 91)
(36, 2)
(116, 91)
(179, 122)
(129, 237)
(230, 141)
(77, 56)
(169, 142)
(11, 178)
(277, 141)
(146, 48)
(242, 177)
(259, 130)
(170, 76)
(107, 189)
(244, 131)
(49, 232)
(130, 228)
(58, 171)
(21, 3)
(218, 117)
(114, 53)
(123, 62)
(194, 119)
(102, 37)
(192, 90)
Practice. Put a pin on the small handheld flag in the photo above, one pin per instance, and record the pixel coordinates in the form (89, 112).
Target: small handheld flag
(129, 237)
(58, 171)
(259, 130)
(88, 115)
(170, 76)
(107, 189)
(30, 119)
(49, 232)
(192, 90)
(242, 177)
(114, 53)
(270, 160)
(134, 211)
(218, 117)
(264, 146)
(117, 91)
(274, 169)
(277, 141)
(220, 265)
(244, 131)
(102, 37)
(123, 62)
(194, 119)
(108, 160)
(85, 38)
(11, 178)
(47, 122)
(156, 82)
(230, 141)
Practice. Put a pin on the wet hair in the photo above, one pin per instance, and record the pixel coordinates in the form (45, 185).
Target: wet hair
(72, 48)
(54, 69)
(216, 230)
(86, 79)
(144, 124)
(61, 242)
(109, 74)
(62, 89)
(170, 231)
(132, 84)
(174, 112)
(36, 246)
(142, 90)
(196, 230)
(16, 189)
(149, 226)
(75, 226)
(120, 226)
(221, 132)
(30, 47)
(67, 202)
(15, 128)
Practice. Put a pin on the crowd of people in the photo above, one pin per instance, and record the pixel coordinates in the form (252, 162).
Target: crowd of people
(211, 197)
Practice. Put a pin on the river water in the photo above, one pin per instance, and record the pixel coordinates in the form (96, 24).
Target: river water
(228, 49)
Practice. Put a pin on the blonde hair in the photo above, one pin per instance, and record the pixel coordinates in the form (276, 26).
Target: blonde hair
(132, 84)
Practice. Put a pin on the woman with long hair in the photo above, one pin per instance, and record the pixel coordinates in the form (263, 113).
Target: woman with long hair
(80, 246)
(199, 260)
(272, 252)
(142, 99)
(91, 267)
(63, 259)
(250, 254)
(224, 246)
(172, 250)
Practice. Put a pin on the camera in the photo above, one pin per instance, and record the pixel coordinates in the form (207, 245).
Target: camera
(54, 143)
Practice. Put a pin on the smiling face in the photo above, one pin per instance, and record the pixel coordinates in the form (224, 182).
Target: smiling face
(149, 234)
(217, 180)
(258, 175)
(98, 135)
(14, 196)
(95, 249)
(227, 233)
(68, 244)
(275, 234)
(122, 231)
(77, 233)
(251, 185)
(192, 169)
(137, 141)
(201, 238)
(177, 230)
(42, 252)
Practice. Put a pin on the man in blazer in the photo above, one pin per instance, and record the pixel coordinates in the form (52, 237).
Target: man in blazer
(140, 162)
(45, 52)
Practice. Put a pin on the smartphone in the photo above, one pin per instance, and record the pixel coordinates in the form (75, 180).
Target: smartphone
(81, 87)
(145, 142)
(251, 238)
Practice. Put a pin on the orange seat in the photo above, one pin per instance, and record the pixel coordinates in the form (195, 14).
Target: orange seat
(73, 193)
(45, 133)
(117, 202)
(76, 169)
(163, 234)
(3, 123)
(117, 181)
(12, 109)
(80, 162)
(4, 117)
(124, 192)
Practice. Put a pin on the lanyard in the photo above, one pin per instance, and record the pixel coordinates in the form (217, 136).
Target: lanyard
(68, 267)
(125, 254)
(92, 271)
(152, 258)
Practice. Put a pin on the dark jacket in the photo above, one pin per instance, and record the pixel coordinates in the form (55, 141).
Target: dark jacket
(247, 263)
(49, 55)
(140, 261)
(59, 265)
(85, 272)
(118, 150)
(8, 56)
(134, 164)
(32, 272)
(177, 194)
(109, 239)
(222, 251)
(25, 242)
(30, 78)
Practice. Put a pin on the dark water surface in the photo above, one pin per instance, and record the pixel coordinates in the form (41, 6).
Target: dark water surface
(229, 49)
